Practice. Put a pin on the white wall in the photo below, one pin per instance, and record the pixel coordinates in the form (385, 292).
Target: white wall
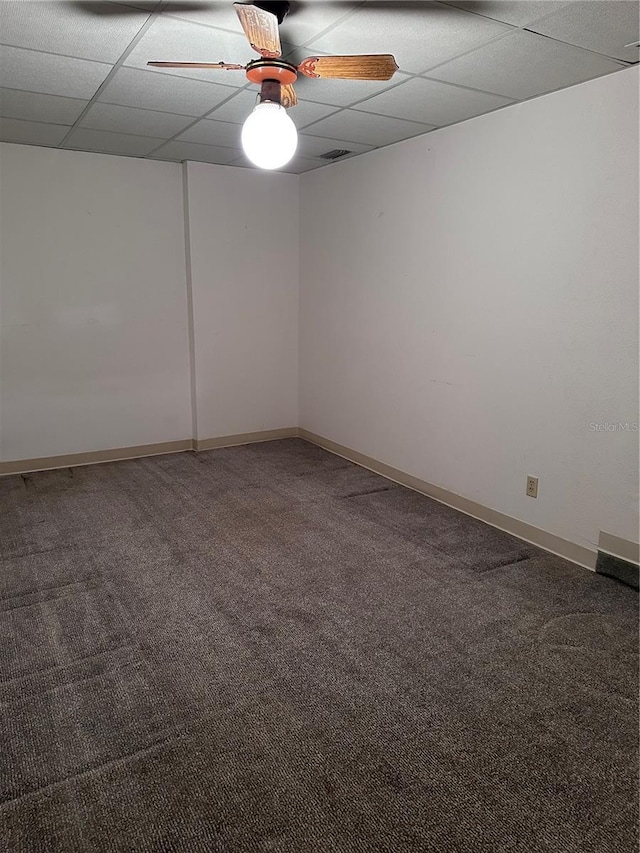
(243, 228)
(468, 306)
(93, 317)
(95, 301)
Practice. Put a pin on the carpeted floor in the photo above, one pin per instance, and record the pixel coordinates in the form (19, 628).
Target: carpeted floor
(267, 648)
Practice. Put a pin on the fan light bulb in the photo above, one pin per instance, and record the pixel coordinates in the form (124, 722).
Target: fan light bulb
(269, 137)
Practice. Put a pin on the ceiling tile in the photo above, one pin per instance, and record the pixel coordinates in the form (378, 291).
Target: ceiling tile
(301, 24)
(431, 102)
(173, 40)
(601, 26)
(305, 23)
(135, 121)
(192, 151)
(72, 29)
(130, 87)
(519, 13)
(307, 112)
(239, 107)
(34, 107)
(316, 146)
(207, 132)
(353, 126)
(148, 5)
(419, 38)
(32, 132)
(111, 143)
(524, 65)
(219, 13)
(50, 74)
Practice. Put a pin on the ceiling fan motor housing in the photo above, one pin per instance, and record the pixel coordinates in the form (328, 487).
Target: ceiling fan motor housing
(260, 70)
(270, 75)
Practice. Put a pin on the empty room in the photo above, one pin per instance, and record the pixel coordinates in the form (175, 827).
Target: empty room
(319, 426)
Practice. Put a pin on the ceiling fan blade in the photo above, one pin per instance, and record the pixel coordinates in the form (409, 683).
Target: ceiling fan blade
(224, 65)
(261, 28)
(288, 97)
(376, 66)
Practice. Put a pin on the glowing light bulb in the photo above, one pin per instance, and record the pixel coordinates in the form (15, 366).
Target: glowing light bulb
(269, 137)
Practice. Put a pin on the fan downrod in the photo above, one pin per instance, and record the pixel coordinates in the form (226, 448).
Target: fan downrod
(279, 8)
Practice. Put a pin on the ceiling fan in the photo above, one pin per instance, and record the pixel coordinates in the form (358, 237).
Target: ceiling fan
(269, 137)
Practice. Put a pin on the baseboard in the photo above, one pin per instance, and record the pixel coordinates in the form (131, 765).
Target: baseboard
(618, 547)
(93, 457)
(618, 558)
(245, 438)
(534, 535)
(615, 567)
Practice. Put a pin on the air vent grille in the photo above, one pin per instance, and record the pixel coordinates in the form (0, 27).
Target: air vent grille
(334, 154)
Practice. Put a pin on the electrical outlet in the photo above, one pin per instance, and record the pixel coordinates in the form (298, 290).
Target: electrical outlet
(532, 487)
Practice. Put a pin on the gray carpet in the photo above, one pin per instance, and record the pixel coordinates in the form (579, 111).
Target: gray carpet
(267, 648)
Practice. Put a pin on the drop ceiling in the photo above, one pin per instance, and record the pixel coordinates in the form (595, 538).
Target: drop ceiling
(73, 73)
